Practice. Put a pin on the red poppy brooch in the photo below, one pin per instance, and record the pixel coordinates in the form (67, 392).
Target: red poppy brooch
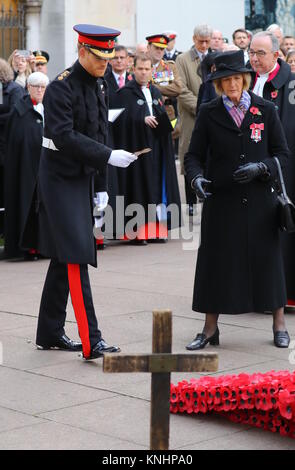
(255, 111)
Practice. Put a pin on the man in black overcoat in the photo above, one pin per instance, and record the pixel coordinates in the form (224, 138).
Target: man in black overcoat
(274, 81)
(117, 75)
(152, 180)
(74, 150)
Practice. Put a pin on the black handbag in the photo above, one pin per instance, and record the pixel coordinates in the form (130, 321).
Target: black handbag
(286, 206)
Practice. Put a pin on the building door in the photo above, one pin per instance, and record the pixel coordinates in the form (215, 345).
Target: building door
(12, 26)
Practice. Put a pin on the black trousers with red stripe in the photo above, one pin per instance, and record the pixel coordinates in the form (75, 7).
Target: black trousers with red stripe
(61, 280)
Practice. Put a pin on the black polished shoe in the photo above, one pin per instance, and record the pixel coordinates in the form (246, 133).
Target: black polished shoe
(31, 256)
(101, 247)
(201, 340)
(289, 309)
(64, 343)
(100, 348)
(191, 211)
(158, 240)
(138, 242)
(281, 339)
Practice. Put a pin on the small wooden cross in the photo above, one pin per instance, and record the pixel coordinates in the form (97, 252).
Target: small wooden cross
(161, 363)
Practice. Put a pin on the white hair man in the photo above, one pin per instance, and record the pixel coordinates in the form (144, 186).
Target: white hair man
(274, 81)
(277, 31)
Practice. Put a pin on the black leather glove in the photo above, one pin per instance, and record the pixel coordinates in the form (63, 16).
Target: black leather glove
(248, 172)
(199, 185)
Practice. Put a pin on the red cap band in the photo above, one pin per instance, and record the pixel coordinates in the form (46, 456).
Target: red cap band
(110, 44)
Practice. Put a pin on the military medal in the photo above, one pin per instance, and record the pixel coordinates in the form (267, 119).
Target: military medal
(256, 135)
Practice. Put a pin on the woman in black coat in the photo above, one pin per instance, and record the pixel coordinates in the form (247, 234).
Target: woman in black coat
(231, 167)
(9, 95)
(21, 164)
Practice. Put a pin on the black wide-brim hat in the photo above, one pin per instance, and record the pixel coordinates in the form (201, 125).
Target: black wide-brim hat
(229, 63)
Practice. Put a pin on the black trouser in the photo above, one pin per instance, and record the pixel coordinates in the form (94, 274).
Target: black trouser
(190, 194)
(60, 280)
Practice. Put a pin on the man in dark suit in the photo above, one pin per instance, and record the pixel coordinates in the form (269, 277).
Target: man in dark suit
(117, 75)
(171, 53)
(74, 151)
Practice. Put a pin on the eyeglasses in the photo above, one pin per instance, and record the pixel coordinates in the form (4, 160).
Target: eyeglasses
(38, 86)
(258, 53)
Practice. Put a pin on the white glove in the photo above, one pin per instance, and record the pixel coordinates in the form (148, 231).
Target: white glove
(101, 200)
(121, 158)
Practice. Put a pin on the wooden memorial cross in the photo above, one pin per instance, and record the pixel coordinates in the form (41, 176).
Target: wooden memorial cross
(161, 363)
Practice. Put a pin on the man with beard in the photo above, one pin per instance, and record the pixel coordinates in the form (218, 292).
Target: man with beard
(74, 151)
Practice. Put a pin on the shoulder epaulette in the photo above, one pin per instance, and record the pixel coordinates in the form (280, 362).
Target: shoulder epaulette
(63, 75)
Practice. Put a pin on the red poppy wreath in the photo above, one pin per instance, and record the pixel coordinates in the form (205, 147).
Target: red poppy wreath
(265, 401)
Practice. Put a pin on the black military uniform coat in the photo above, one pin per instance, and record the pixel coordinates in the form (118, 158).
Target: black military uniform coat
(173, 57)
(281, 91)
(142, 182)
(76, 121)
(239, 266)
(24, 140)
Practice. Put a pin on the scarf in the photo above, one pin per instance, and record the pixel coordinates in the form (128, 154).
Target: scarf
(238, 112)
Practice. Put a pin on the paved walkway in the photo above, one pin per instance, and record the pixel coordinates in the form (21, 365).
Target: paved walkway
(55, 400)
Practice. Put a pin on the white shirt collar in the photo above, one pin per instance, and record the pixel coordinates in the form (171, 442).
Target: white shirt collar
(148, 96)
(201, 54)
(261, 81)
(171, 53)
(117, 75)
(268, 73)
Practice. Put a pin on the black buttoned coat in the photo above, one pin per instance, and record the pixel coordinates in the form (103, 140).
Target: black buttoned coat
(22, 156)
(239, 265)
(76, 121)
(281, 91)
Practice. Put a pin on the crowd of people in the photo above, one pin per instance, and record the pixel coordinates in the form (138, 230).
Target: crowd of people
(224, 109)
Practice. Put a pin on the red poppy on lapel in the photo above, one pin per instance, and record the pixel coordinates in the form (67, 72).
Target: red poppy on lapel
(255, 111)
